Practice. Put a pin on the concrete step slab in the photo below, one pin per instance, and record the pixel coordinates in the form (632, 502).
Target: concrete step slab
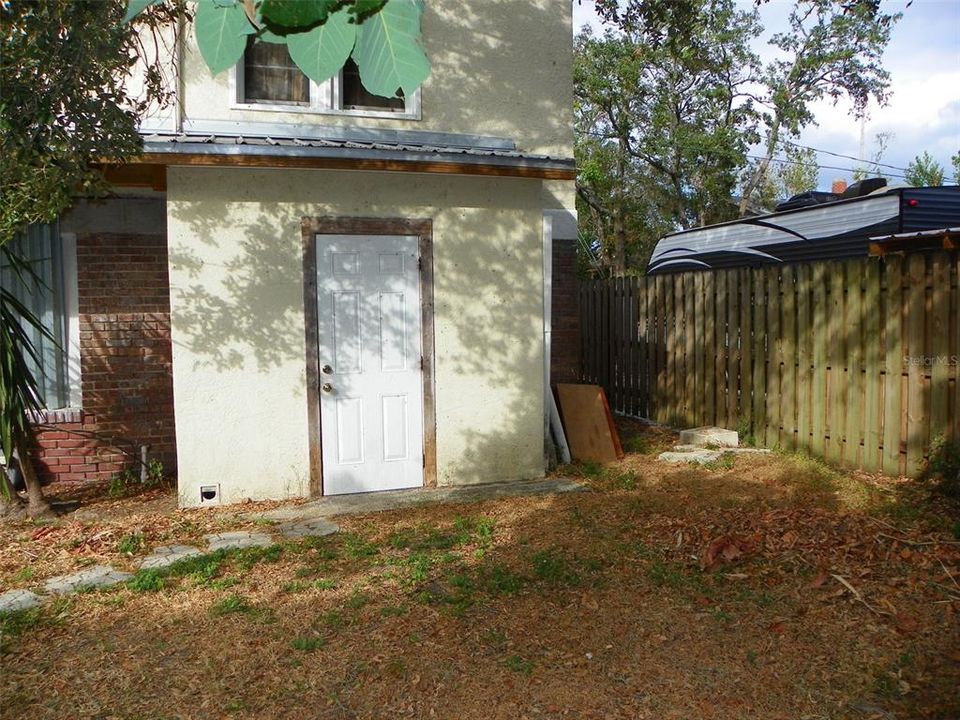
(310, 528)
(16, 600)
(695, 456)
(167, 555)
(237, 540)
(99, 576)
(709, 435)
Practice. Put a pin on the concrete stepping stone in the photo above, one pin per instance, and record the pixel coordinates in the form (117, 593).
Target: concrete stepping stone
(14, 600)
(309, 528)
(167, 555)
(707, 435)
(237, 540)
(99, 576)
(701, 457)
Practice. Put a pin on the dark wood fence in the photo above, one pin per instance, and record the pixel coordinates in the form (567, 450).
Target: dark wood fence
(856, 361)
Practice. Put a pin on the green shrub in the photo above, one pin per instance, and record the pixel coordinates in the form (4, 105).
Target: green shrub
(943, 467)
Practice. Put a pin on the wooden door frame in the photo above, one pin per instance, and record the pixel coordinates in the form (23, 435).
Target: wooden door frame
(421, 228)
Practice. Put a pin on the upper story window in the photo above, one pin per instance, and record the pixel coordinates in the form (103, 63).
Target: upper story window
(268, 79)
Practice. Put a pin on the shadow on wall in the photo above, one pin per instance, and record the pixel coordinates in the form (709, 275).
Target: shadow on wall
(506, 55)
(488, 316)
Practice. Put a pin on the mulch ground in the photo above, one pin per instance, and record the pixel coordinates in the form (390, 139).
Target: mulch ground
(774, 587)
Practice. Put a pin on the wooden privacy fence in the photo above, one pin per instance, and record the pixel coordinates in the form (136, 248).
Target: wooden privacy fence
(856, 361)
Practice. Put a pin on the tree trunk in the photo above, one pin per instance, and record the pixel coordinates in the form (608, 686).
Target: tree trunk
(10, 503)
(761, 170)
(37, 506)
(619, 225)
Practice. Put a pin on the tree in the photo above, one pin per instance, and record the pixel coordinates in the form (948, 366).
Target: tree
(955, 161)
(924, 171)
(874, 168)
(796, 172)
(663, 128)
(833, 50)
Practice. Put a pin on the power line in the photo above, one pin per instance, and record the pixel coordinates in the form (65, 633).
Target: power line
(783, 161)
(841, 155)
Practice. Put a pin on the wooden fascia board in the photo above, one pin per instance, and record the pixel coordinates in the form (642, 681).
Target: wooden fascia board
(327, 163)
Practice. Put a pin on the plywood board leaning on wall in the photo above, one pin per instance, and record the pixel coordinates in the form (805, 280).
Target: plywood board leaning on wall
(589, 423)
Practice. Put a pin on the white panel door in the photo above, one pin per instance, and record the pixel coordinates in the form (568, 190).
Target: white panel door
(371, 394)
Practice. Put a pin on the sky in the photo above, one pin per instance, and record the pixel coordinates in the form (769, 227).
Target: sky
(923, 59)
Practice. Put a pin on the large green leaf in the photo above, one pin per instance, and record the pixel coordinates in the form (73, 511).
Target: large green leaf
(138, 6)
(322, 51)
(388, 50)
(296, 13)
(221, 30)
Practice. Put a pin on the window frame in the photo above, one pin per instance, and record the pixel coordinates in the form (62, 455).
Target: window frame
(325, 99)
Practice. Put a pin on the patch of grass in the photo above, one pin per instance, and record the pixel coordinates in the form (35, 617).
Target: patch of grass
(639, 444)
(499, 580)
(147, 581)
(626, 481)
(393, 611)
(325, 584)
(308, 644)
(724, 462)
(295, 586)
(16, 623)
(590, 469)
(554, 569)
(333, 619)
(358, 548)
(665, 574)
(520, 665)
(229, 605)
(358, 600)
(24, 574)
(131, 543)
(246, 558)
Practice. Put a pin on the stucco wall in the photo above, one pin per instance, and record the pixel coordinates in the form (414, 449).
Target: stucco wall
(500, 67)
(236, 279)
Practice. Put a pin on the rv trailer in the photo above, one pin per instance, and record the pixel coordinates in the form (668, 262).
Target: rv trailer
(820, 231)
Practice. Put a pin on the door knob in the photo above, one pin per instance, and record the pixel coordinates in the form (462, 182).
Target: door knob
(326, 387)
(326, 370)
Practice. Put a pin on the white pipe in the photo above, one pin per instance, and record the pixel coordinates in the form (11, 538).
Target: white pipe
(551, 419)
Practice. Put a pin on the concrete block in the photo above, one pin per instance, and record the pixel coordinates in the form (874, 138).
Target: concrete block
(310, 528)
(237, 540)
(703, 436)
(694, 456)
(167, 555)
(14, 600)
(99, 576)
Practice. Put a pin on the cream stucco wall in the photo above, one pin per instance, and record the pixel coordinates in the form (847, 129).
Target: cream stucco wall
(236, 279)
(499, 67)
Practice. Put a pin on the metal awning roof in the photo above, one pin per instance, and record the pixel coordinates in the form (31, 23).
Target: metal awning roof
(165, 148)
(939, 239)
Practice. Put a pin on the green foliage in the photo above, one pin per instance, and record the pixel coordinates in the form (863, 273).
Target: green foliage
(131, 543)
(16, 623)
(554, 569)
(663, 127)
(308, 644)
(383, 37)
(943, 467)
(830, 51)
(221, 28)
(924, 171)
(322, 51)
(955, 163)
(229, 605)
(518, 664)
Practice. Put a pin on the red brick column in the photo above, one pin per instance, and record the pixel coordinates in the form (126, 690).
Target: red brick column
(565, 314)
(125, 363)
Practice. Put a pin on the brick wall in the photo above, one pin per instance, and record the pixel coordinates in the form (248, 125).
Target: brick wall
(565, 319)
(125, 363)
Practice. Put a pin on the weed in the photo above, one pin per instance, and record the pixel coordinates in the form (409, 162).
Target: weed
(333, 619)
(554, 569)
(223, 583)
(131, 544)
(323, 584)
(626, 481)
(24, 574)
(493, 636)
(16, 623)
(745, 434)
(295, 586)
(230, 604)
(120, 483)
(519, 665)
(396, 667)
(308, 644)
